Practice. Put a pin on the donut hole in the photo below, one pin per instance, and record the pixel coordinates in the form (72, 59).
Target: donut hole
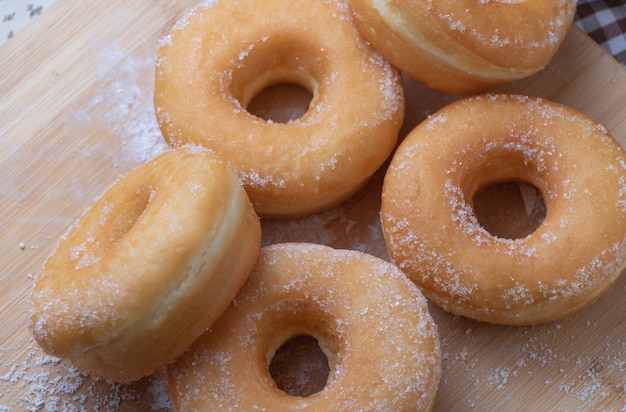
(301, 347)
(123, 216)
(509, 209)
(277, 82)
(300, 367)
(281, 103)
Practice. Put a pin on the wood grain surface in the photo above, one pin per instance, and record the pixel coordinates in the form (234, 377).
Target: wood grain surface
(76, 113)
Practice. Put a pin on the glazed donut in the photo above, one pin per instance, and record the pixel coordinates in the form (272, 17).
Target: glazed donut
(217, 59)
(431, 229)
(371, 322)
(148, 267)
(465, 46)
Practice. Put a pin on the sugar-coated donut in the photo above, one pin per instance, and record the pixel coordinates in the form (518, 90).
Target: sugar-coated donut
(371, 322)
(217, 59)
(465, 46)
(431, 228)
(148, 267)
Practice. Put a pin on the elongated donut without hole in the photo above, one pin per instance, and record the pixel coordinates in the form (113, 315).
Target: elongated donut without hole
(371, 322)
(217, 59)
(465, 46)
(433, 235)
(148, 267)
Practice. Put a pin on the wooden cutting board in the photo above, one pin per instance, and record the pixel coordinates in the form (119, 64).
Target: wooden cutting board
(76, 113)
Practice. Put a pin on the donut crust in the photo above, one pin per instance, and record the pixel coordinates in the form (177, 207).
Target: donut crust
(372, 323)
(148, 267)
(465, 46)
(433, 235)
(205, 80)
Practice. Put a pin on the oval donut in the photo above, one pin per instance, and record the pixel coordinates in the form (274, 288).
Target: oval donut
(433, 235)
(371, 322)
(148, 267)
(465, 46)
(217, 59)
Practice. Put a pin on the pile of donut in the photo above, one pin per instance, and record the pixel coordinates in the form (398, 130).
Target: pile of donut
(166, 268)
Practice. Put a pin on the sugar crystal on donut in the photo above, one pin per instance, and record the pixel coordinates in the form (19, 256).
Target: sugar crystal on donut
(148, 267)
(465, 46)
(431, 226)
(209, 71)
(368, 319)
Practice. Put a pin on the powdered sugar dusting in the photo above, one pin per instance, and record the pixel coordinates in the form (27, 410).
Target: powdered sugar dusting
(123, 106)
(46, 383)
(546, 359)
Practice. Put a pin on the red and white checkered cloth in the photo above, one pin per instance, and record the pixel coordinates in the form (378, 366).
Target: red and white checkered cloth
(605, 22)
